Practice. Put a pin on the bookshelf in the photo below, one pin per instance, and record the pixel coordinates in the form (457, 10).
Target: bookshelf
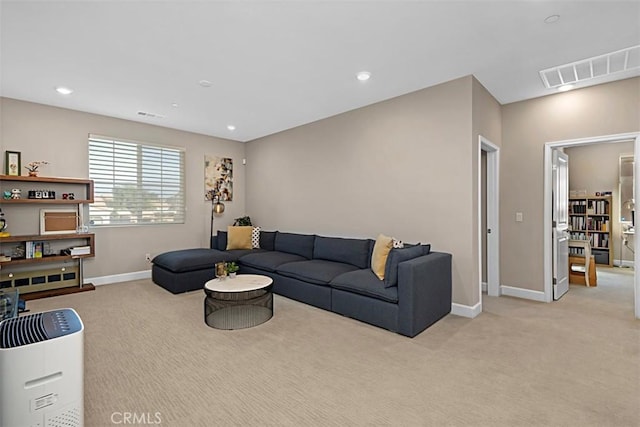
(34, 269)
(590, 218)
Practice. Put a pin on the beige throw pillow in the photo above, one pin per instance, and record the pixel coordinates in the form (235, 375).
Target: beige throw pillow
(381, 250)
(239, 237)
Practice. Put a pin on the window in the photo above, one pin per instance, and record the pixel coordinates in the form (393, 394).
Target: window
(135, 183)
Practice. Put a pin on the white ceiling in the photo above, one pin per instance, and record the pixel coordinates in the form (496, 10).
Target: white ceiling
(275, 65)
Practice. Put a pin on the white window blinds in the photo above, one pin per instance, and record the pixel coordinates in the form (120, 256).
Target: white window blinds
(135, 183)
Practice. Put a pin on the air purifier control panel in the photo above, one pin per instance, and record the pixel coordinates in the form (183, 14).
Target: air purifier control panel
(62, 322)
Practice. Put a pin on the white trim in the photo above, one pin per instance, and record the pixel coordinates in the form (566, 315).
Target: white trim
(117, 278)
(466, 310)
(636, 242)
(523, 293)
(493, 217)
(546, 235)
(623, 263)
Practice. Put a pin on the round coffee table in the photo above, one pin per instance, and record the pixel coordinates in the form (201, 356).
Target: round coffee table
(242, 302)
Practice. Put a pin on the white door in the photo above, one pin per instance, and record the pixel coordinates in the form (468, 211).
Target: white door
(560, 219)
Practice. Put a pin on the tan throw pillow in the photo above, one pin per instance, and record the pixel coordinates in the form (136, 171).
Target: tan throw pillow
(239, 237)
(380, 253)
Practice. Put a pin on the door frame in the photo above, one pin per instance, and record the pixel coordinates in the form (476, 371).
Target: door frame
(493, 217)
(547, 225)
(560, 230)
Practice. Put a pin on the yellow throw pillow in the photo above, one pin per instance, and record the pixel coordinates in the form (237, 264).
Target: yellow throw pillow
(239, 237)
(381, 250)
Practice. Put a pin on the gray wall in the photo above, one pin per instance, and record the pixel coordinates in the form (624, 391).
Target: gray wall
(606, 109)
(60, 136)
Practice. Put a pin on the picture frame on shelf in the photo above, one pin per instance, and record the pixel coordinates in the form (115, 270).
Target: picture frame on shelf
(58, 221)
(12, 163)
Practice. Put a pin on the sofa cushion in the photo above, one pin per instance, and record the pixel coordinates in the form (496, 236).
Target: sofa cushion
(269, 260)
(350, 251)
(396, 256)
(239, 237)
(317, 271)
(255, 237)
(222, 240)
(381, 250)
(190, 259)
(365, 282)
(267, 239)
(293, 243)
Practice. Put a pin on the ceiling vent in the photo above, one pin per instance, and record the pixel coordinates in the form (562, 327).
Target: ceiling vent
(151, 115)
(591, 68)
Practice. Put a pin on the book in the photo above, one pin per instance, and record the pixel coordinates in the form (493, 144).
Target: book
(37, 249)
(80, 250)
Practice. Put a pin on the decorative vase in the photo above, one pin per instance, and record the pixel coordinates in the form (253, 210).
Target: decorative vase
(33, 173)
(221, 270)
(232, 275)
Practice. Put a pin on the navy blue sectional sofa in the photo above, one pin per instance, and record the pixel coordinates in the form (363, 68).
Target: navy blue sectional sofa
(330, 273)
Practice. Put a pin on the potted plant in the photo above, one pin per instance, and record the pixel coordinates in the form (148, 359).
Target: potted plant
(242, 221)
(32, 167)
(232, 269)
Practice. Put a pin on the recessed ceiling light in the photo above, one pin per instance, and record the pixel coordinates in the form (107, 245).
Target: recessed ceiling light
(204, 83)
(175, 105)
(363, 76)
(64, 90)
(565, 88)
(551, 19)
(231, 127)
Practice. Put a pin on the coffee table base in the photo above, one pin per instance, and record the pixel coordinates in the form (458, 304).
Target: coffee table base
(238, 310)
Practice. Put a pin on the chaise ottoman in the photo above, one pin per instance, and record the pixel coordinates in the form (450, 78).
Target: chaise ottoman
(188, 269)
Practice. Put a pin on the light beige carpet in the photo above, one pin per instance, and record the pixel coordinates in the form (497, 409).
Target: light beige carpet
(574, 362)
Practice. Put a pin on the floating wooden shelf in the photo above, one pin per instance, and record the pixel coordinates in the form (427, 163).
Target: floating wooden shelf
(88, 183)
(34, 278)
(89, 237)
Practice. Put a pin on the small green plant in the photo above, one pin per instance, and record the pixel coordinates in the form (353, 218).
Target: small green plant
(232, 267)
(242, 221)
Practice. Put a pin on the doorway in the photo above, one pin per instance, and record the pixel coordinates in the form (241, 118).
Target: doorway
(548, 224)
(488, 218)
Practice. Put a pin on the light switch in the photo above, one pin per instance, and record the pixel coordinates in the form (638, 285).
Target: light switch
(518, 216)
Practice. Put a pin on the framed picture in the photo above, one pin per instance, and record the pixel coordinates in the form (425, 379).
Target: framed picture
(218, 178)
(12, 163)
(58, 221)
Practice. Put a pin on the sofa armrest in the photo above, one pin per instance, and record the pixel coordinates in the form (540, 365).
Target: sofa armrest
(424, 292)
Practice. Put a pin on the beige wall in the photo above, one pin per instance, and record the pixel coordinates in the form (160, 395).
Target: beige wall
(60, 136)
(595, 168)
(486, 122)
(598, 110)
(406, 167)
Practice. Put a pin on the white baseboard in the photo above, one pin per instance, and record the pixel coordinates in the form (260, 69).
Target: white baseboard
(117, 278)
(466, 310)
(623, 263)
(522, 293)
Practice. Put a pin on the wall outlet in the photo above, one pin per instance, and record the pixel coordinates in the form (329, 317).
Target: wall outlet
(147, 257)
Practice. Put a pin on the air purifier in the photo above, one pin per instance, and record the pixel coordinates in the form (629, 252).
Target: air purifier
(42, 370)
